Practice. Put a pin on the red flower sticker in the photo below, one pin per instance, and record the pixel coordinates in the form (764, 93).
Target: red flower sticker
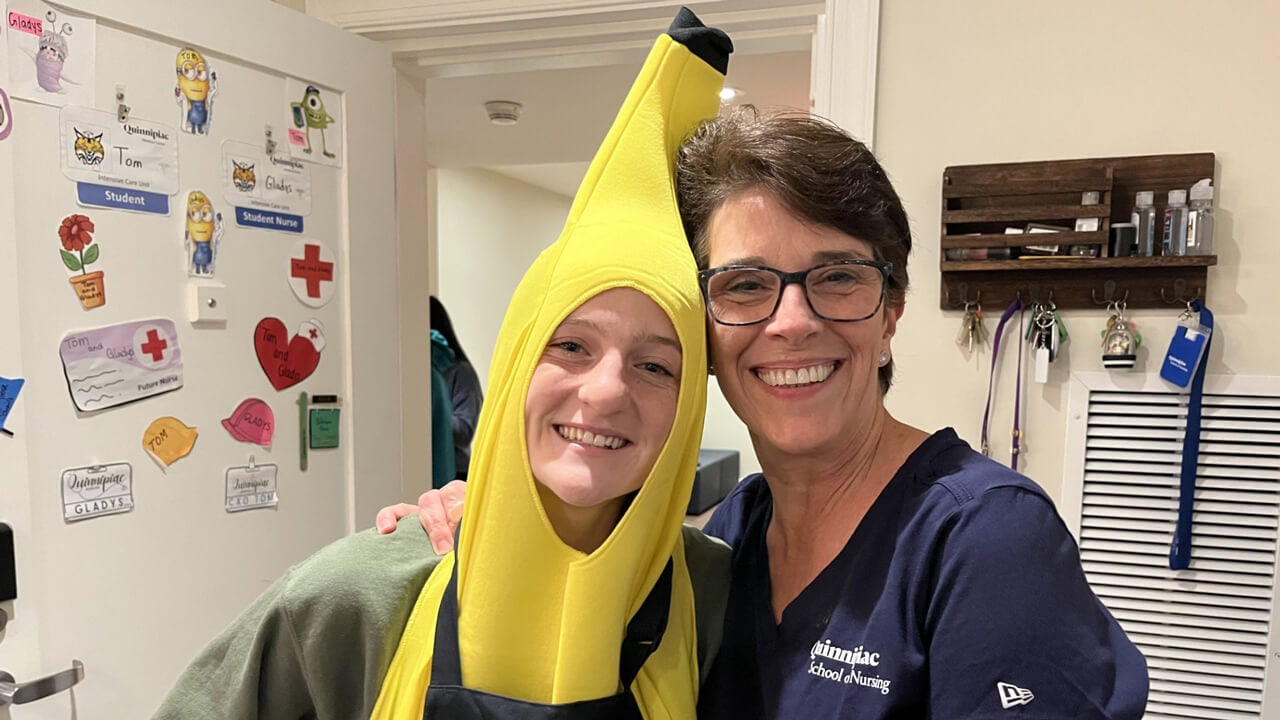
(76, 232)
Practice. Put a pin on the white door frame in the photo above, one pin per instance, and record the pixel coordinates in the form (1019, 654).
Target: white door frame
(844, 36)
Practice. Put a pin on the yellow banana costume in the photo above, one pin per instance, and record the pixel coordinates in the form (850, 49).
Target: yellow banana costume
(537, 619)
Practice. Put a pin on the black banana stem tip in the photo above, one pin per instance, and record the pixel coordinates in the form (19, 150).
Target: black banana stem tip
(710, 44)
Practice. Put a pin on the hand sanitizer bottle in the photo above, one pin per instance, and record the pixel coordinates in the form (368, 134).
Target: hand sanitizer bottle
(1175, 224)
(1144, 218)
(1200, 219)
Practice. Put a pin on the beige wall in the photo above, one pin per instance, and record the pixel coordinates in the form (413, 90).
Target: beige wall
(415, 282)
(491, 228)
(992, 81)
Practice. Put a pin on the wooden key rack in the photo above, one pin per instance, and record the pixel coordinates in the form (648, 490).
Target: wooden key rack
(980, 201)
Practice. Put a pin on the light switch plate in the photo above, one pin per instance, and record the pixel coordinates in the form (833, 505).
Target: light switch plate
(207, 304)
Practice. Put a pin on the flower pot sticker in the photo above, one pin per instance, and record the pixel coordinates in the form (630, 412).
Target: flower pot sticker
(78, 253)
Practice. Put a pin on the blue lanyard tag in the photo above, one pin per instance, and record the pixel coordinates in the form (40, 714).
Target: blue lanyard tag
(1186, 349)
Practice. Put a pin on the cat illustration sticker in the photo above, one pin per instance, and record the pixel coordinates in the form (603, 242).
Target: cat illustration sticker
(88, 148)
(52, 54)
(118, 364)
(244, 176)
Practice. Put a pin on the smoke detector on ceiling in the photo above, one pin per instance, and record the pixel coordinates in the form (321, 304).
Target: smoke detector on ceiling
(503, 112)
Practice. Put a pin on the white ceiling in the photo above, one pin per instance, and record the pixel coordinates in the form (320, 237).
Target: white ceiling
(568, 62)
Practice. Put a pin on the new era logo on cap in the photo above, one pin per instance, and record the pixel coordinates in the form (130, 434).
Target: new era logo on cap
(1012, 695)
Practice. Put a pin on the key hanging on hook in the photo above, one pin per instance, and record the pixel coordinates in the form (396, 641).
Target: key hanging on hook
(1120, 340)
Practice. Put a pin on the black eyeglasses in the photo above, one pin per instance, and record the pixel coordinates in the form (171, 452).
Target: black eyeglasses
(840, 291)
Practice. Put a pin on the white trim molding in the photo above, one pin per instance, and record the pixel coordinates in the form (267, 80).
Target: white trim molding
(845, 49)
(430, 39)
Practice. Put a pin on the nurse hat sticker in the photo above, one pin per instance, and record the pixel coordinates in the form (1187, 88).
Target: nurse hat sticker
(167, 440)
(252, 422)
(288, 361)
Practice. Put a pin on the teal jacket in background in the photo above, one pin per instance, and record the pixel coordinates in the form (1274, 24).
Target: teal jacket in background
(443, 466)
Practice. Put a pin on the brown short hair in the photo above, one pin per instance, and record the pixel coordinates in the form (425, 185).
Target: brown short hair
(812, 167)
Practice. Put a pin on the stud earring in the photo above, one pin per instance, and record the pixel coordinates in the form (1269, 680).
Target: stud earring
(884, 358)
(711, 369)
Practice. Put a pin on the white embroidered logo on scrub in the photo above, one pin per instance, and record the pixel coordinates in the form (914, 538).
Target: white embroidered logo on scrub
(855, 659)
(1012, 695)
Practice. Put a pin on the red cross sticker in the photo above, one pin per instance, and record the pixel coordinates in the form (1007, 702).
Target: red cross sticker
(155, 346)
(311, 269)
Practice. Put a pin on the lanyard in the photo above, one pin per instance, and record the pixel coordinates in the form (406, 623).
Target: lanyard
(1014, 307)
(1180, 550)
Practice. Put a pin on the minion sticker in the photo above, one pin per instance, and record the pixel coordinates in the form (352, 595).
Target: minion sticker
(197, 85)
(203, 234)
(310, 113)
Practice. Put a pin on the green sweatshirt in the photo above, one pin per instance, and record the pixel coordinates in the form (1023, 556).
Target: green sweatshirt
(318, 642)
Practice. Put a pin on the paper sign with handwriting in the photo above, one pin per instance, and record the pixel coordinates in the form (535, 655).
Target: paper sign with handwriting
(134, 154)
(118, 364)
(251, 178)
(251, 488)
(97, 490)
(167, 440)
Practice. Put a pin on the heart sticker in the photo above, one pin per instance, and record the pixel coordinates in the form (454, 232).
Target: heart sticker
(288, 361)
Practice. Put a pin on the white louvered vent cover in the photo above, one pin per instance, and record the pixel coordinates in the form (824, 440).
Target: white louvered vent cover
(1205, 631)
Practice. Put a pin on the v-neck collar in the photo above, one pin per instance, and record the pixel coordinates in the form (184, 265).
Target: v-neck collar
(816, 601)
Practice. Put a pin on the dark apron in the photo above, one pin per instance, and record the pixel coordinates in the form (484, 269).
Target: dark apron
(447, 699)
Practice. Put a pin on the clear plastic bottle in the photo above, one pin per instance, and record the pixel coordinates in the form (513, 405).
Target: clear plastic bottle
(1087, 225)
(1200, 219)
(1175, 224)
(1144, 217)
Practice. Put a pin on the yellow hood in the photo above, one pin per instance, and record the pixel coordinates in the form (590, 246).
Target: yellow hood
(539, 620)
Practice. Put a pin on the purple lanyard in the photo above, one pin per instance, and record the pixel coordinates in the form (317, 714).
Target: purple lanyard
(1015, 306)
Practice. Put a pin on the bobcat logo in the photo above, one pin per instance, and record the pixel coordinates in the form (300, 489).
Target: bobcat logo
(89, 150)
(243, 176)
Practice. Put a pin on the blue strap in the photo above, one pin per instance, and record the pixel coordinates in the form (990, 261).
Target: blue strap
(1180, 550)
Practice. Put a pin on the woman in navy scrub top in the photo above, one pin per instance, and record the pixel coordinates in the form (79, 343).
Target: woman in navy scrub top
(879, 571)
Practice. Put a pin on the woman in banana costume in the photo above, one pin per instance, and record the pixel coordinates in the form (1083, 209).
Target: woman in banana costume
(574, 592)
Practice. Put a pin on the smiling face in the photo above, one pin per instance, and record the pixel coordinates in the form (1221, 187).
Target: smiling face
(199, 219)
(193, 75)
(603, 398)
(802, 385)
